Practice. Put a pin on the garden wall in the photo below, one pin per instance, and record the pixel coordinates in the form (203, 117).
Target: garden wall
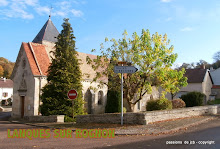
(144, 118)
(51, 118)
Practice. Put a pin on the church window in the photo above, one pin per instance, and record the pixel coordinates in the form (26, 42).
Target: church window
(100, 97)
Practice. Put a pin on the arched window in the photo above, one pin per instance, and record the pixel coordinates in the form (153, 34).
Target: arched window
(100, 97)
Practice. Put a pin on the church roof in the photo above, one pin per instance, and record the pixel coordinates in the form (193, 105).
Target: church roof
(37, 58)
(48, 32)
(39, 61)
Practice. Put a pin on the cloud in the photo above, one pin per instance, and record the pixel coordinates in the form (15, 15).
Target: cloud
(16, 9)
(60, 13)
(3, 3)
(165, 1)
(76, 13)
(186, 29)
(31, 2)
(42, 10)
(24, 8)
(169, 19)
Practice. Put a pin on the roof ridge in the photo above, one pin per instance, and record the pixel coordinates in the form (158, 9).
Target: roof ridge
(35, 59)
(46, 28)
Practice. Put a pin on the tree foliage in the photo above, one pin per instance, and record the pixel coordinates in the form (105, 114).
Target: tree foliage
(6, 67)
(63, 74)
(114, 94)
(216, 56)
(152, 55)
(1, 71)
(172, 80)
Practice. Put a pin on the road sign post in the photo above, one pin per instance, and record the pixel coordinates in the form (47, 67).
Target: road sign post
(72, 94)
(122, 98)
(123, 69)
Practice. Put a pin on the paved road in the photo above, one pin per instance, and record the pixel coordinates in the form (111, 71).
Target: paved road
(209, 131)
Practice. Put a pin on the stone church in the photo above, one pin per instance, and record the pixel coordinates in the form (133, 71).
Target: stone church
(30, 75)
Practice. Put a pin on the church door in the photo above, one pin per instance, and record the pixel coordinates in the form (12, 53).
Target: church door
(22, 106)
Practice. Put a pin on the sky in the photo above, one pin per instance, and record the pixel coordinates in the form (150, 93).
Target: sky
(193, 26)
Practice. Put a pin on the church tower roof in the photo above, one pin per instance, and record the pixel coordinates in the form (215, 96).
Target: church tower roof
(48, 32)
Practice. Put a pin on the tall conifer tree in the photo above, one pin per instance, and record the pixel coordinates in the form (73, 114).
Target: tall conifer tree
(63, 74)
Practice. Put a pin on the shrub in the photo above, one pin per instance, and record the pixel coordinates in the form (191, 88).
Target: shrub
(68, 119)
(193, 99)
(178, 103)
(159, 104)
(113, 102)
(9, 100)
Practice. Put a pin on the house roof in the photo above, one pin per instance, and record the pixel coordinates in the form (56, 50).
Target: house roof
(195, 75)
(48, 32)
(6, 84)
(216, 87)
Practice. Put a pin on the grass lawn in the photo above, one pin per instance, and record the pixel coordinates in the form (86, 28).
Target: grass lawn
(216, 101)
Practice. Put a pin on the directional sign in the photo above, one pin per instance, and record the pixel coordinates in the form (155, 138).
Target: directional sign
(72, 94)
(125, 69)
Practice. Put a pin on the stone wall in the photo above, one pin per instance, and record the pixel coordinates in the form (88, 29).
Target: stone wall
(144, 118)
(51, 118)
(23, 79)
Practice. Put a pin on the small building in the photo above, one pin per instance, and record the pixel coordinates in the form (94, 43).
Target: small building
(6, 90)
(199, 80)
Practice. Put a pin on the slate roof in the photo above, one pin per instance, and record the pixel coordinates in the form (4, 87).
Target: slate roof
(48, 32)
(7, 84)
(195, 75)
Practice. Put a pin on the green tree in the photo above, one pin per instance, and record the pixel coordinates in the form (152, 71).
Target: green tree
(148, 53)
(172, 80)
(114, 94)
(63, 74)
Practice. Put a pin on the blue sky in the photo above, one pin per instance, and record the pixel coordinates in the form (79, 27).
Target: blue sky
(193, 26)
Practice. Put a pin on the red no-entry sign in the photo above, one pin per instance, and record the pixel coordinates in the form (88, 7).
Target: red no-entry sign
(72, 94)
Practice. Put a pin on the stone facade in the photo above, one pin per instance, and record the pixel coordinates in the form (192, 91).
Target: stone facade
(141, 105)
